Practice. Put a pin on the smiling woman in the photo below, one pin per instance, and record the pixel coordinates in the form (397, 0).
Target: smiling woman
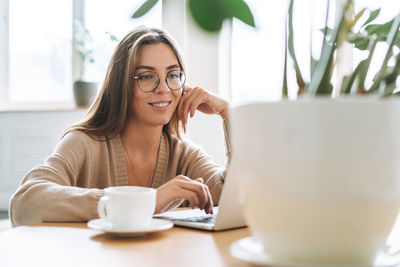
(131, 135)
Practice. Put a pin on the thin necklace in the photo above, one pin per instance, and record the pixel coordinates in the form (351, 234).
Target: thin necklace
(131, 164)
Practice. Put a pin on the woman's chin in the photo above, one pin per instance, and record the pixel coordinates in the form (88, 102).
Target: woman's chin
(160, 122)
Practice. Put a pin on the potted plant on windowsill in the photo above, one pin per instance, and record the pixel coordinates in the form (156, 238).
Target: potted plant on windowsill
(84, 91)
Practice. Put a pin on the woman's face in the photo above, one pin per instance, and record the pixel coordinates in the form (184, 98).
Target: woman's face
(157, 107)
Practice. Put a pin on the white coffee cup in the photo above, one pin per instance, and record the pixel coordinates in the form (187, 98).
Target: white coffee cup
(128, 207)
(319, 179)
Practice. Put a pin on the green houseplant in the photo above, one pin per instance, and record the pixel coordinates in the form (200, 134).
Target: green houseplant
(83, 90)
(365, 38)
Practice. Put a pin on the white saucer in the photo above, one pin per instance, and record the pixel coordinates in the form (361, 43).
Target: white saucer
(250, 249)
(155, 226)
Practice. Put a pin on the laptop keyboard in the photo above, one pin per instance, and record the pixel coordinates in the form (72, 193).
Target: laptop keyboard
(200, 219)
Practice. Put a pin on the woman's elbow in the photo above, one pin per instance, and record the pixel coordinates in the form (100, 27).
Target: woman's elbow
(22, 211)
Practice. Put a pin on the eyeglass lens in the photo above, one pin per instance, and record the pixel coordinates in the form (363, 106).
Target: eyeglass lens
(148, 81)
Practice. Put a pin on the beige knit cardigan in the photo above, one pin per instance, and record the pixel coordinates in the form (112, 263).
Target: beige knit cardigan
(68, 185)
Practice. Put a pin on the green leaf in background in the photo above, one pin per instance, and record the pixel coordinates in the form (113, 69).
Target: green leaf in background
(143, 9)
(326, 87)
(348, 81)
(240, 10)
(391, 39)
(359, 40)
(372, 16)
(355, 83)
(357, 17)
(364, 66)
(112, 37)
(284, 86)
(328, 33)
(313, 65)
(389, 82)
(299, 77)
(322, 74)
(379, 29)
(208, 14)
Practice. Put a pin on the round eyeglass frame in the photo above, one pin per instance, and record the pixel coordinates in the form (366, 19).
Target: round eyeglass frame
(181, 73)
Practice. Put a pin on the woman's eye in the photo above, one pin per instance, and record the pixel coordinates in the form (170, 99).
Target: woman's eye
(173, 76)
(146, 77)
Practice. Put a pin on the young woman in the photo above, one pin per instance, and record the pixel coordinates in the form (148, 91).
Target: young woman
(130, 136)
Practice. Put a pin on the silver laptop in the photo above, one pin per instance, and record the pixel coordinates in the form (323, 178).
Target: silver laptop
(227, 215)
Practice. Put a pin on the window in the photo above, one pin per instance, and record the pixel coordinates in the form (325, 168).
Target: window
(36, 44)
(39, 50)
(258, 54)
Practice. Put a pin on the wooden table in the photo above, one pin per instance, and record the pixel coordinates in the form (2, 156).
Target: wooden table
(73, 244)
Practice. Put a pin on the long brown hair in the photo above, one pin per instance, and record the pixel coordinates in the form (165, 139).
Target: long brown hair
(108, 114)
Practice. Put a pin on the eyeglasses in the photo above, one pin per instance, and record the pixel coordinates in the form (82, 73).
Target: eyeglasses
(148, 81)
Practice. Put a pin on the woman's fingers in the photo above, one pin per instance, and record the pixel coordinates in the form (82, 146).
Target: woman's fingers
(186, 102)
(181, 188)
(200, 99)
(210, 204)
(199, 189)
(200, 180)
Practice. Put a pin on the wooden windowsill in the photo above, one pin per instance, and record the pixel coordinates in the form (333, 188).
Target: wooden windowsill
(40, 107)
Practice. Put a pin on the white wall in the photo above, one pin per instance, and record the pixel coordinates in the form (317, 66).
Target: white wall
(27, 138)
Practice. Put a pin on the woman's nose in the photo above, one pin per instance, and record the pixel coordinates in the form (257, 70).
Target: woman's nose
(162, 88)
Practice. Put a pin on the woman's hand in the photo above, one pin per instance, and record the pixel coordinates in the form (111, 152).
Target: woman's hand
(181, 188)
(197, 98)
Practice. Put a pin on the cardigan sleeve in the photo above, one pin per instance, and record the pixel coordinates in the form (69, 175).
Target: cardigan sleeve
(49, 193)
(196, 163)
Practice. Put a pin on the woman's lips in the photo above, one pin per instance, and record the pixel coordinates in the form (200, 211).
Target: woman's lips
(162, 105)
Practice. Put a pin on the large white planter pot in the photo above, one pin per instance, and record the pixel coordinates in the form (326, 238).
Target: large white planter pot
(320, 179)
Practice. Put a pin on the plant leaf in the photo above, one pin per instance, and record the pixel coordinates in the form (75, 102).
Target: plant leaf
(386, 89)
(365, 64)
(284, 86)
(357, 17)
(208, 14)
(391, 38)
(328, 32)
(299, 77)
(359, 40)
(240, 10)
(321, 75)
(348, 82)
(379, 29)
(143, 9)
(372, 16)
(388, 84)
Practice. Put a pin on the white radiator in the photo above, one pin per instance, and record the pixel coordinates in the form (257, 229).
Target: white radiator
(26, 139)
